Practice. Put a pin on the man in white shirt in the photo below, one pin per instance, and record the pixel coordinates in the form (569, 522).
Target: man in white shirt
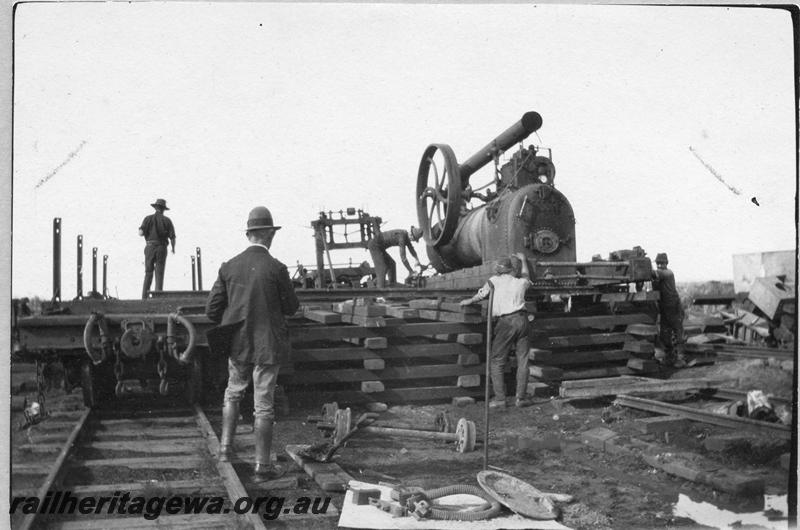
(512, 326)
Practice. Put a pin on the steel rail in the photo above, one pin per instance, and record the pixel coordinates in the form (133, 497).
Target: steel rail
(760, 427)
(230, 479)
(27, 522)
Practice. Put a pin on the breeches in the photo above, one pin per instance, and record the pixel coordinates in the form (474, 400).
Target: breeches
(264, 377)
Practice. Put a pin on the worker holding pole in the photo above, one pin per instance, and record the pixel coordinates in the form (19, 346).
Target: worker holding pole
(511, 325)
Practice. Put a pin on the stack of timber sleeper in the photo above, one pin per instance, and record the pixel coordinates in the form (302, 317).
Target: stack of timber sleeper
(428, 349)
(585, 347)
(360, 351)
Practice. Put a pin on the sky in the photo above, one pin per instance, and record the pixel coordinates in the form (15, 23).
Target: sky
(665, 123)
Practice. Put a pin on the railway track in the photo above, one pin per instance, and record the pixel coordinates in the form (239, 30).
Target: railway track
(133, 457)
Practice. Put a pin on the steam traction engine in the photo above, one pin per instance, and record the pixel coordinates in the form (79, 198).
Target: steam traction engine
(524, 213)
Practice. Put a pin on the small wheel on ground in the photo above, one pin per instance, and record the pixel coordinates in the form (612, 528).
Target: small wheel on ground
(466, 432)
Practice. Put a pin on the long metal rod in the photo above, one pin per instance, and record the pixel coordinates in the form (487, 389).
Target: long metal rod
(94, 270)
(330, 263)
(733, 422)
(57, 259)
(105, 275)
(489, 339)
(194, 275)
(80, 267)
(199, 270)
(27, 522)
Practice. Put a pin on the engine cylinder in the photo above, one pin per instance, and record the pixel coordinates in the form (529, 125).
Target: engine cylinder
(535, 219)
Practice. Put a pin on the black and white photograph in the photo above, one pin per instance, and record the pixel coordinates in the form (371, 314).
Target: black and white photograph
(401, 265)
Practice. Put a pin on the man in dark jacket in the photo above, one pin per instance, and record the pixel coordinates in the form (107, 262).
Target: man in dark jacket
(252, 294)
(157, 230)
(670, 312)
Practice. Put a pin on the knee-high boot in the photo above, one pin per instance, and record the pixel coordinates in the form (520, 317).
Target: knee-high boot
(262, 429)
(230, 413)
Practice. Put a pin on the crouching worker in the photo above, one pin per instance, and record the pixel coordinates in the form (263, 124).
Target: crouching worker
(511, 325)
(249, 299)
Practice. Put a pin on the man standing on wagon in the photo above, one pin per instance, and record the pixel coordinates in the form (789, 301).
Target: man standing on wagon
(157, 231)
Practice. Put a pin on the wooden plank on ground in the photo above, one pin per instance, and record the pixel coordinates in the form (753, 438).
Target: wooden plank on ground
(612, 381)
(329, 476)
(170, 487)
(592, 339)
(149, 462)
(733, 422)
(624, 386)
(198, 520)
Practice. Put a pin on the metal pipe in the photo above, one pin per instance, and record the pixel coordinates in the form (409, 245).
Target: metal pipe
(431, 435)
(94, 270)
(194, 275)
(80, 267)
(56, 259)
(105, 275)
(488, 376)
(530, 122)
(199, 270)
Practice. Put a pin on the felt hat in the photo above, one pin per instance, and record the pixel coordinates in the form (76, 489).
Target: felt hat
(260, 218)
(662, 258)
(160, 203)
(416, 233)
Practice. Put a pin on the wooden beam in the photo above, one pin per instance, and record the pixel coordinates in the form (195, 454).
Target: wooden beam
(314, 333)
(636, 387)
(391, 395)
(587, 340)
(733, 422)
(607, 322)
(400, 351)
(444, 316)
(584, 357)
(389, 373)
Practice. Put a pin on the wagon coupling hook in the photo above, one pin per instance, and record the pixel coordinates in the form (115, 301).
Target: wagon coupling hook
(105, 339)
(185, 356)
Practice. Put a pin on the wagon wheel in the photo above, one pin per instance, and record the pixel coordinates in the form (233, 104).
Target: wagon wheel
(467, 433)
(439, 196)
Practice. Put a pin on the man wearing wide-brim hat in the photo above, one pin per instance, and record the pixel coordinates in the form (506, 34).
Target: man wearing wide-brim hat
(157, 230)
(249, 301)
